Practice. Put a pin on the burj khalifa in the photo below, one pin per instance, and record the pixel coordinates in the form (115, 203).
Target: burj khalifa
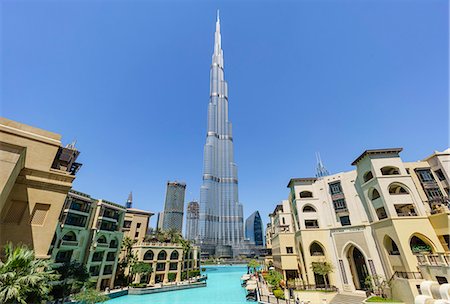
(221, 214)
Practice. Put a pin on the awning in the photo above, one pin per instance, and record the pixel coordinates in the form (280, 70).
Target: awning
(251, 287)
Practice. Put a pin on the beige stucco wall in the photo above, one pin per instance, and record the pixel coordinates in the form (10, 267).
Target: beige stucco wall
(32, 193)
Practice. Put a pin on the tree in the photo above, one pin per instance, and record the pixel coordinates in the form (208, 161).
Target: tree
(90, 296)
(322, 268)
(128, 259)
(23, 278)
(173, 236)
(274, 278)
(186, 244)
(141, 268)
(73, 276)
(253, 265)
(377, 284)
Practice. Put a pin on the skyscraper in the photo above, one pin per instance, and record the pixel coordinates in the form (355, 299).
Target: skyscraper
(192, 216)
(221, 221)
(172, 217)
(254, 229)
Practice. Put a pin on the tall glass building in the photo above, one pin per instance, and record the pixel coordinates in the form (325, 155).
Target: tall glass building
(254, 229)
(192, 217)
(221, 214)
(172, 217)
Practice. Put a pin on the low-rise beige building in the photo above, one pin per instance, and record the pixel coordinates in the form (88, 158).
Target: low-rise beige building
(282, 243)
(36, 173)
(387, 218)
(169, 262)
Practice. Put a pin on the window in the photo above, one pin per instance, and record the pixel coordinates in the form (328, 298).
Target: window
(389, 170)
(381, 213)
(97, 256)
(405, 210)
(310, 224)
(126, 224)
(283, 220)
(75, 220)
(306, 194)
(114, 243)
(340, 205)
(446, 238)
(425, 175)
(335, 188)
(345, 220)
(367, 176)
(289, 250)
(136, 234)
(374, 195)
(149, 255)
(63, 256)
(111, 256)
(397, 189)
(162, 255)
(39, 214)
(173, 266)
(308, 209)
(138, 225)
(69, 236)
(108, 269)
(441, 280)
(316, 250)
(101, 240)
(433, 193)
(160, 266)
(94, 270)
(174, 255)
(440, 174)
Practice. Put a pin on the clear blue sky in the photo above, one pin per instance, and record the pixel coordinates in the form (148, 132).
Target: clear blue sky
(130, 81)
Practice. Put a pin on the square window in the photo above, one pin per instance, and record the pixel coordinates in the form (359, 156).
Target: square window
(289, 250)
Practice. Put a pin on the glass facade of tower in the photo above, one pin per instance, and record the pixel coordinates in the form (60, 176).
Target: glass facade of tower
(254, 229)
(221, 215)
(172, 218)
(192, 217)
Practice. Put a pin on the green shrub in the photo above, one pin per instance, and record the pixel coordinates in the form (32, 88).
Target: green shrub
(138, 285)
(278, 293)
(380, 300)
(172, 277)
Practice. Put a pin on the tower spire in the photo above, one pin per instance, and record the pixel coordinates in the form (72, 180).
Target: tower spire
(130, 200)
(321, 171)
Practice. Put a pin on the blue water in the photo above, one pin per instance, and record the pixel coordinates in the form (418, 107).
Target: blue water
(223, 287)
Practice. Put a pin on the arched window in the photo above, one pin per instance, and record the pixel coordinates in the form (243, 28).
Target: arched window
(306, 194)
(69, 236)
(114, 243)
(149, 255)
(396, 188)
(316, 250)
(374, 194)
(418, 245)
(367, 176)
(389, 170)
(191, 256)
(309, 209)
(174, 255)
(162, 255)
(391, 246)
(102, 240)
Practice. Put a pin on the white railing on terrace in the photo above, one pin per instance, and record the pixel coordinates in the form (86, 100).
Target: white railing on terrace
(434, 259)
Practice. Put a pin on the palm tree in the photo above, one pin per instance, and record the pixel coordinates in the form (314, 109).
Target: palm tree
(173, 235)
(186, 249)
(23, 278)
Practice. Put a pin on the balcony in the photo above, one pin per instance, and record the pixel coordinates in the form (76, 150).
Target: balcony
(69, 243)
(102, 245)
(435, 259)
